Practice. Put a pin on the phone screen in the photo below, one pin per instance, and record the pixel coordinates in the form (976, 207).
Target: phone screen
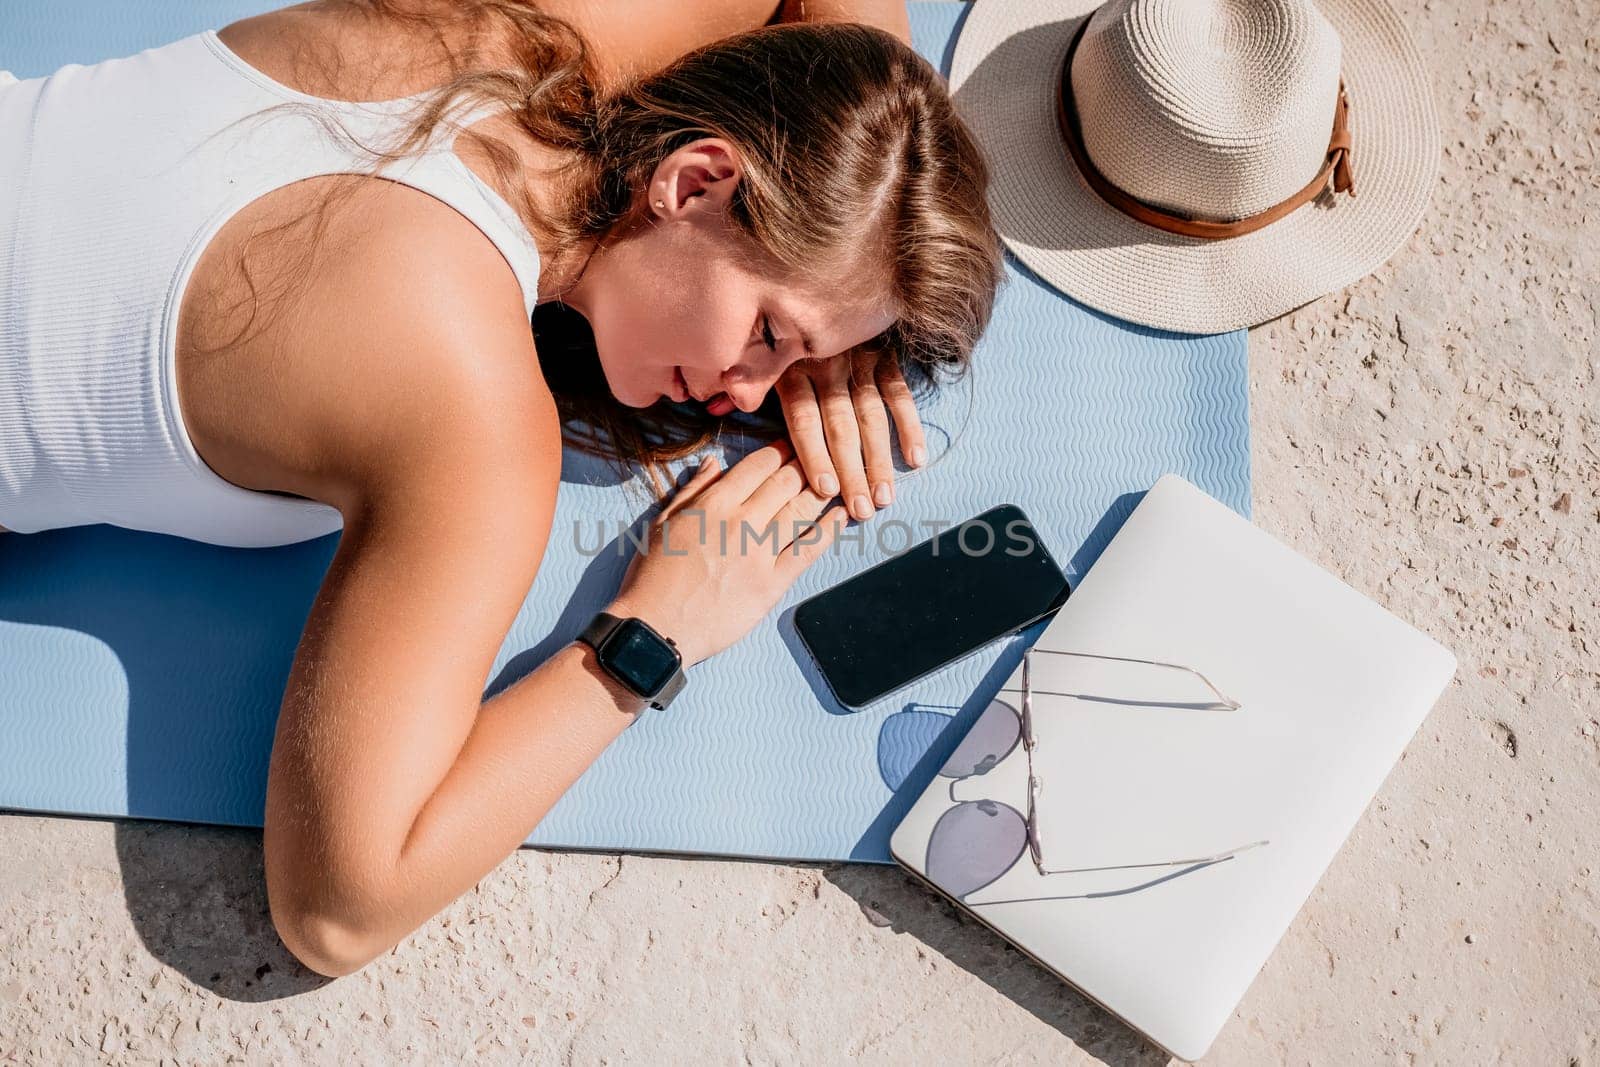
(931, 604)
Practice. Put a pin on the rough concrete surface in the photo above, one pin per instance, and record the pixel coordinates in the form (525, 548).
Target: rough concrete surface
(1431, 434)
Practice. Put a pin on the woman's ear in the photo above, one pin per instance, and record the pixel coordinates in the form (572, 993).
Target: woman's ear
(698, 177)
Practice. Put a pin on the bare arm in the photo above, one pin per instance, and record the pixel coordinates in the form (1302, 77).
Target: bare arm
(390, 792)
(393, 786)
(630, 38)
(885, 14)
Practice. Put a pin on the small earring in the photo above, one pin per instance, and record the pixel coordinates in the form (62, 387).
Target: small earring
(661, 203)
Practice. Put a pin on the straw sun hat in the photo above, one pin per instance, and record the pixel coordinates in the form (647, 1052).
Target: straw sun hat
(1207, 164)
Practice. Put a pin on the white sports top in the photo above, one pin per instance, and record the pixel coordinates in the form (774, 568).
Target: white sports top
(113, 178)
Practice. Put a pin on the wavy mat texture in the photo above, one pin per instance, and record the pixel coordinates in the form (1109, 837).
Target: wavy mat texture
(140, 675)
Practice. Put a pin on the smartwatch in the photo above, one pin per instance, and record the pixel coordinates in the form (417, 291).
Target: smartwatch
(647, 663)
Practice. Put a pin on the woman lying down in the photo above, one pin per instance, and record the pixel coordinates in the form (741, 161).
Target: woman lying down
(722, 211)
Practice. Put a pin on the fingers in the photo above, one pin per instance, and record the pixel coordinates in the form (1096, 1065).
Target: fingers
(844, 437)
(772, 494)
(804, 418)
(873, 420)
(745, 476)
(801, 507)
(704, 475)
(811, 541)
(791, 523)
(897, 395)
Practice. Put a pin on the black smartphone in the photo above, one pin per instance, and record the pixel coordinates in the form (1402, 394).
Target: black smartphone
(930, 604)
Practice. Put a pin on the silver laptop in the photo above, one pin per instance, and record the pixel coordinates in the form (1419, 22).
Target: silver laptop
(1210, 714)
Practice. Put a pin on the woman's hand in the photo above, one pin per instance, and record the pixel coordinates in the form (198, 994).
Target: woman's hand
(724, 550)
(838, 415)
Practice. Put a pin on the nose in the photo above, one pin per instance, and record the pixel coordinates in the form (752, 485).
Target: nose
(747, 395)
(747, 385)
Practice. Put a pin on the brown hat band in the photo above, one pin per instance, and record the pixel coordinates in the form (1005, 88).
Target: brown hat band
(1337, 166)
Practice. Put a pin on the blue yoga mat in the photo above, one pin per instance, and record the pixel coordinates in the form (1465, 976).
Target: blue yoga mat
(140, 675)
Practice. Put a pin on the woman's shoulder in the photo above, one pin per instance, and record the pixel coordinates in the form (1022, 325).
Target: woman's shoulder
(426, 356)
(630, 38)
(390, 354)
(340, 51)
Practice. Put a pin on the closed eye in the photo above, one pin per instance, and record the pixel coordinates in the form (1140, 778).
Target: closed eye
(767, 337)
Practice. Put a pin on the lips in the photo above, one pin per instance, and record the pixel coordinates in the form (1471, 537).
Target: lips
(718, 403)
(683, 385)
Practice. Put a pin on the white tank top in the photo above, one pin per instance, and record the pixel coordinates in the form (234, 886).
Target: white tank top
(113, 178)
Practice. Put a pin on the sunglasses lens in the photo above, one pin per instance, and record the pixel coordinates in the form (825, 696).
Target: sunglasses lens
(990, 740)
(974, 843)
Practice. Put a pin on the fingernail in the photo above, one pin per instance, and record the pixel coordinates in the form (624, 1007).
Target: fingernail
(919, 455)
(882, 494)
(861, 505)
(828, 484)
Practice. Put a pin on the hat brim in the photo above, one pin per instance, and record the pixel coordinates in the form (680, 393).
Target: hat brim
(1003, 78)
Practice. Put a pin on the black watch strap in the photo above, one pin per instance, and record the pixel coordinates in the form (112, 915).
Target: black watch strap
(599, 628)
(594, 635)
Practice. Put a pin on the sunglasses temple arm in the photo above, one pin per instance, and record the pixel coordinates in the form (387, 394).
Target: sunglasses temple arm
(1201, 862)
(1228, 702)
(1218, 858)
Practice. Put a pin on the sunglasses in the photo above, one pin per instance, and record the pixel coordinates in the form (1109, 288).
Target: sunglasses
(977, 841)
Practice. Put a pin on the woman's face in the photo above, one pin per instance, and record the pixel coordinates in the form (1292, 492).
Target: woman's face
(680, 309)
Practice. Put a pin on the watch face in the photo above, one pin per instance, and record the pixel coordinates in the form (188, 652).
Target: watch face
(640, 657)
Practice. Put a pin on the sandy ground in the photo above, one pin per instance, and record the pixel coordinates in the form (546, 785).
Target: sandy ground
(1432, 435)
